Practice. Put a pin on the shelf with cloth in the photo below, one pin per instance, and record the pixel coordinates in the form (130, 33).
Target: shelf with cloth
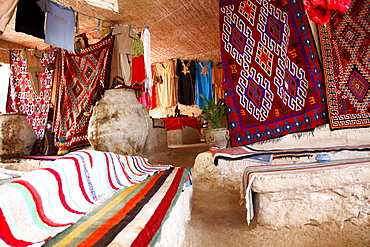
(182, 130)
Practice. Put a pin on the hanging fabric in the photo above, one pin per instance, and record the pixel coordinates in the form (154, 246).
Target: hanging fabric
(138, 64)
(270, 92)
(23, 99)
(166, 95)
(217, 75)
(80, 76)
(105, 4)
(321, 11)
(124, 44)
(59, 33)
(34, 67)
(147, 58)
(185, 73)
(203, 82)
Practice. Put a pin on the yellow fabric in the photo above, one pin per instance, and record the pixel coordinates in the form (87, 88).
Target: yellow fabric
(166, 93)
(217, 72)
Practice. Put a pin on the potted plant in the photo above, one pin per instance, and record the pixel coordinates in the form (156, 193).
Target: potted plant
(216, 135)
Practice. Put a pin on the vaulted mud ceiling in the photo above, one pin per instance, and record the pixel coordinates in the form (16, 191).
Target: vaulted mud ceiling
(186, 29)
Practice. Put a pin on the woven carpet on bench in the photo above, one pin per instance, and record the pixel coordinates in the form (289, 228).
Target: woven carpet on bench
(131, 217)
(47, 201)
(252, 172)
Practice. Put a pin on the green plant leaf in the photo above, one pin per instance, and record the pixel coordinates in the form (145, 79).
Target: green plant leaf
(214, 112)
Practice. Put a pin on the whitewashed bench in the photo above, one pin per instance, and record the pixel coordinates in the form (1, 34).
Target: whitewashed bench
(296, 198)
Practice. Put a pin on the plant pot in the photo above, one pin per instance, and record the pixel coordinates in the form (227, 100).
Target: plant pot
(217, 137)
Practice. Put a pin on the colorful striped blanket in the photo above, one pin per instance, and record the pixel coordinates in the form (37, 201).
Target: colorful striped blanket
(8, 175)
(47, 201)
(253, 172)
(243, 152)
(131, 217)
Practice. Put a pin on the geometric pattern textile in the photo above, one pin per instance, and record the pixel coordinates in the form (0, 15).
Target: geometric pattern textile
(22, 98)
(345, 44)
(273, 81)
(81, 75)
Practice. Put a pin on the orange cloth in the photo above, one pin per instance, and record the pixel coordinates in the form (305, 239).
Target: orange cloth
(217, 77)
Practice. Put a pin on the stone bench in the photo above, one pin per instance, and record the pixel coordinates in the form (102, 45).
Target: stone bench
(298, 198)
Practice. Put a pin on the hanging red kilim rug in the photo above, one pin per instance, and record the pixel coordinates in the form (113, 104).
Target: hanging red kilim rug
(345, 43)
(81, 75)
(21, 97)
(273, 80)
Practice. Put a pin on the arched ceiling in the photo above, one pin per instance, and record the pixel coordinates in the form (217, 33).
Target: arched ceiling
(186, 29)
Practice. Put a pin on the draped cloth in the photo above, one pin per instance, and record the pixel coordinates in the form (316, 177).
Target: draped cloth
(273, 80)
(46, 201)
(22, 97)
(245, 152)
(321, 11)
(81, 75)
(185, 71)
(203, 82)
(166, 94)
(133, 216)
(148, 83)
(252, 173)
(217, 76)
(345, 44)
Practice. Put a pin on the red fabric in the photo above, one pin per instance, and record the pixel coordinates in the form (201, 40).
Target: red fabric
(6, 234)
(180, 122)
(38, 203)
(138, 70)
(345, 43)
(78, 168)
(22, 98)
(321, 11)
(273, 82)
(154, 224)
(81, 76)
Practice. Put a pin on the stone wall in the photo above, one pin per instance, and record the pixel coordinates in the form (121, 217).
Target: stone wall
(5, 50)
(307, 198)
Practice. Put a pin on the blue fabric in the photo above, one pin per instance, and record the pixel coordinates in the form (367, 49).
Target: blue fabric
(60, 26)
(203, 82)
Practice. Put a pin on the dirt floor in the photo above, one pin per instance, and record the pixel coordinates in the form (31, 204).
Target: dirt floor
(218, 220)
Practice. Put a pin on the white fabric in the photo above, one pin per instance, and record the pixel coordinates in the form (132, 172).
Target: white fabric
(105, 4)
(148, 82)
